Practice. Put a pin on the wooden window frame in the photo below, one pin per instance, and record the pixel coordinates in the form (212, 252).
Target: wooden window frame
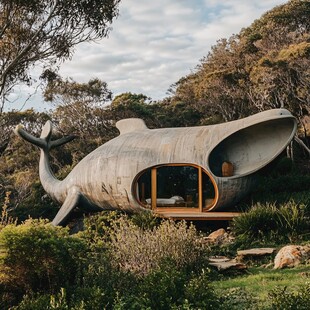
(200, 208)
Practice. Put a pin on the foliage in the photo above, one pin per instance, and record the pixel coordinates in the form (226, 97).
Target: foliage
(102, 274)
(284, 299)
(265, 66)
(145, 220)
(31, 120)
(46, 32)
(36, 256)
(169, 284)
(5, 218)
(269, 223)
(126, 99)
(200, 294)
(237, 298)
(35, 204)
(171, 288)
(66, 92)
(97, 227)
(80, 110)
(252, 289)
(141, 251)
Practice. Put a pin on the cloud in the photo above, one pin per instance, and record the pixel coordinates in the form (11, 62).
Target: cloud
(155, 43)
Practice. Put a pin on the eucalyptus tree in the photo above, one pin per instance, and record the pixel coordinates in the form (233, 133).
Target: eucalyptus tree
(265, 66)
(80, 109)
(46, 32)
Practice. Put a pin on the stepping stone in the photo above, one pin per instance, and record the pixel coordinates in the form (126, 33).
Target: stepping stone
(256, 252)
(224, 263)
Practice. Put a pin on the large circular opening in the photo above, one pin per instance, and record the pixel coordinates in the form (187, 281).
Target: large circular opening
(250, 149)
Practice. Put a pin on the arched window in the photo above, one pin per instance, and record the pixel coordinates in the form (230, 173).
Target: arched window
(177, 186)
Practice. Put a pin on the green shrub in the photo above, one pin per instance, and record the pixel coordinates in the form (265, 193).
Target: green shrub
(269, 223)
(283, 299)
(97, 228)
(256, 224)
(169, 287)
(282, 188)
(5, 218)
(237, 298)
(162, 288)
(293, 222)
(34, 303)
(46, 302)
(145, 220)
(200, 294)
(140, 251)
(37, 256)
(36, 204)
(102, 283)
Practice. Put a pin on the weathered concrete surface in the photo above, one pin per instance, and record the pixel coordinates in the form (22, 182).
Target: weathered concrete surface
(105, 178)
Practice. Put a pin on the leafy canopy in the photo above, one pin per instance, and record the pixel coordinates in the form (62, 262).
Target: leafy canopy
(46, 31)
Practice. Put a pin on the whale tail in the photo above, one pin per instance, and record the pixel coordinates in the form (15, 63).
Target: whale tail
(44, 142)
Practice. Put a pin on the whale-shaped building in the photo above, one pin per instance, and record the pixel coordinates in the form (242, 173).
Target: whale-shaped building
(187, 170)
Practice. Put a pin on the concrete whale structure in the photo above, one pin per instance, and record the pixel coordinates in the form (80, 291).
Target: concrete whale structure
(190, 170)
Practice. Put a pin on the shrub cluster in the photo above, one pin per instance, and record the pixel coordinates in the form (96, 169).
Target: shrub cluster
(112, 264)
(139, 262)
(284, 299)
(141, 251)
(265, 223)
(36, 257)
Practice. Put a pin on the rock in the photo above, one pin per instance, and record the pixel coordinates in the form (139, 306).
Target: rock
(218, 259)
(217, 234)
(291, 256)
(219, 237)
(224, 263)
(256, 252)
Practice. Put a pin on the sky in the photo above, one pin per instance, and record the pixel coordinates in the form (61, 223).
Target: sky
(152, 44)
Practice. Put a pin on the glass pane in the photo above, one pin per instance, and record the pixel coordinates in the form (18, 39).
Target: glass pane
(208, 192)
(177, 186)
(144, 188)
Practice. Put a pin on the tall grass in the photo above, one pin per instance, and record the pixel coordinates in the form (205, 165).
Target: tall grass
(269, 223)
(140, 251)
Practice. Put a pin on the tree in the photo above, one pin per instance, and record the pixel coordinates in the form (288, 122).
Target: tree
(18, 161)
(30, 119)
(66, 92)
(46, 32)
(126, 99)
(81, 109)
(265, 66)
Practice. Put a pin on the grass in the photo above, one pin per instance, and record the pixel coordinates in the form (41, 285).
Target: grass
(260, 281)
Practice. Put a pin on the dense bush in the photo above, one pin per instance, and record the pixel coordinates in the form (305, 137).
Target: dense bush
(169, 287)
(112, 264)
(237, 298)
(279, 188)
(141, 251)
(37, 256)
(269, 223)
(284, 299)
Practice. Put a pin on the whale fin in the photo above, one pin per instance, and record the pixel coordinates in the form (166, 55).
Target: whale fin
(71, 201)
(130, 124)
(44, 142)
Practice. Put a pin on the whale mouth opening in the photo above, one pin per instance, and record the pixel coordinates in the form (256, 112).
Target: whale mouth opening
(251, 148)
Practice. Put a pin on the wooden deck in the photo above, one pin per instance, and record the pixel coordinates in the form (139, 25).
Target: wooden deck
(201, 216)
